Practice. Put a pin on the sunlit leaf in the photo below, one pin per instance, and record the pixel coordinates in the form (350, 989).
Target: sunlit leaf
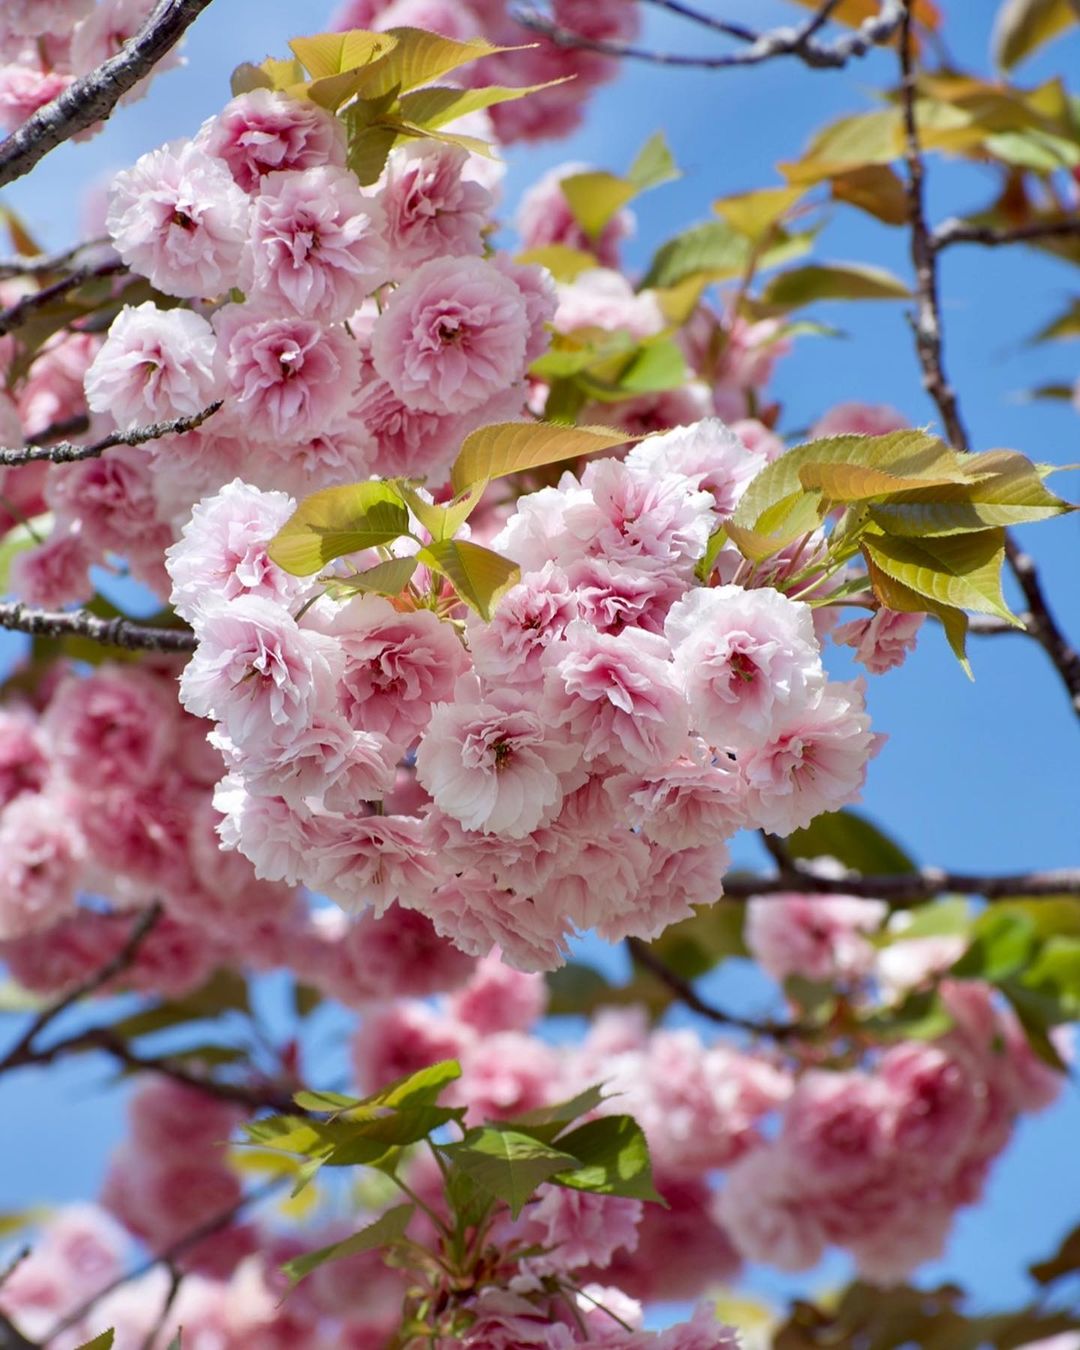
(386, 1229)
(1023, 26)
(832, 281)
(337, 521)
(852, 840)
(875, 189)
(386, 578)
(508, 1164)
(563, 262)
(477, 574)
(613, 1159)
(962, 571)
(436, 105)
(510, 447)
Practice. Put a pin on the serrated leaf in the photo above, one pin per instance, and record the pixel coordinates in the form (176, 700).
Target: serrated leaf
(875, 189)
(851, 483)
(424, 1087)
(284, 75)
(102, 1342)
(713, 251)
(511, 447)
(1023, 26)
(436, 105)
(387, 1228)
(961, 571)
(507, 1164)
(336, 521)
(385, 578)
(832, 281)
(477, 574)
(547, 1121)
(325, 1101)
(420, 58)
(894, 594)
(613, 1159)
(328, 54)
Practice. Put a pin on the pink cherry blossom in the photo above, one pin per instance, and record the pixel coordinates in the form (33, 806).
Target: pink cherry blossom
(315, 245)
(497, 998)
(816, 761)
(41, 854)
(819, 937)
(527, 619)
(373, 861)
(24, 89)
(401, 1038)
(695, 800)
(838, 1128)
(267, 830)
(744, 659)
(24, 757)
(111, 498)
(858, 419)
(222, 550)
(117, 725)
(613, 596)
(476, 915)
(616, 696)
(708, 453)
(106, 30)
(881, 641)
(490, 762)
(505, 1074)
(35, 18)
(263, 132)
(284, 377)
(178, 218)
(577, 1228)
(155, 365)
(256, 671)
(601, 298)
(431, 210)
(54, 573)
(538, 290)
(764, 1208)
(453, 334)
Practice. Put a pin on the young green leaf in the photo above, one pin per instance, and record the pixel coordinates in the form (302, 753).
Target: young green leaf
(511, 447)
(442, 521)
(506, 1163)
(875, 189)
(614, 1159)
(547, 1121)
(596, 196)
(563, 262)
(852, 840)
(436, 105)
(960, 571)
(329, 54)
(477, 574)
(420, 58)
(385, 578)
(1022, 26)
(422, 1088)
(832, 281)
(102, 1342)
(387, 1228)
(337, 521)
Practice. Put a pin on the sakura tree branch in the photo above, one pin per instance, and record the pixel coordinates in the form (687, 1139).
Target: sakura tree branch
(44, 264)
(118, 632)
(171, 1254)
(67, 452)
(798, 42)
(23, 1051)
(685, 992)
(960, 232)
(906, 888)
(93, 98)
(17, 314)
(929, 346)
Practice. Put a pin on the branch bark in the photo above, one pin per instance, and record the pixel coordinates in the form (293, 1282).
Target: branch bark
(907, 888)
(93, 98)
(119, 632)
(960, 232)
(67, 452)
(17, 314)
(929, 346)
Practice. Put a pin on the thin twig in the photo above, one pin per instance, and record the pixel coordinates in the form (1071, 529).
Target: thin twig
(737, 31)
(92, 99)
(926, 322)
(17, 314)
(67, 452)
(685, 992)
(158, 1329)
(117, 964)
(171, 1253)
(906, 888)
(118, 632)
(960, 232)
(60, 431)
(44, 264)
(797, 42)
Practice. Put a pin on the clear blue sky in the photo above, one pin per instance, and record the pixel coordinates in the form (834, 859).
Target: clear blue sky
(975, 776)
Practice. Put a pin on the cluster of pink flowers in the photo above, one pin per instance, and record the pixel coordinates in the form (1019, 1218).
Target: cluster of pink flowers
(45, 45)
(578, 762)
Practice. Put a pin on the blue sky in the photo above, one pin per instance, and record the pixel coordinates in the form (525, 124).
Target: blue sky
(977, 776)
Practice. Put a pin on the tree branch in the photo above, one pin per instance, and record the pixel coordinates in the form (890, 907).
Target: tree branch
(22, 1052)
(44, 264)
(17, 314)
(929, 346)
(93, 98)
(960, 232)
(67, 452)
(778, 42)
(118, 632)
(905, 888)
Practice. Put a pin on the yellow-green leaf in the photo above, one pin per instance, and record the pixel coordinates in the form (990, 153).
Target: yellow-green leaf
(752, 213)
(247, 77)
(442, 522)
(386, 1229)
(510, 447)
(959, 571)
(832, 281)
(1022, 26)
(420, 58)
(478, 574)
(336, 53)
(385, 578)
(563, 262)
(596, 196)
(102, 1342)
(437, 105)
(337, 521)
(895, 595)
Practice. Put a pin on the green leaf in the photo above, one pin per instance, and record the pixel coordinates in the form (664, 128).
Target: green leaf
(477, 574)
(506, 1163)
(386, 1229)
(20, 539)
(832, 281)
(442, 522)
(852, 840)
(436, 105)
(1066, 325)
(385, 578)
(1055, 973)
(614, 1159)
(1022, 26)
(224, 992)
(563, 262)
(420, 58)
(325, 1101)
(937, 918)
(714, 251)
(895, 595)
(337, 521)
(960, 571)
(547, 1121)
(922, 1016)
(511, 447)
(329, 54)
(596, 196)
(1001, 945)
(755, 213)
(102, 1342)
(421, 1088)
